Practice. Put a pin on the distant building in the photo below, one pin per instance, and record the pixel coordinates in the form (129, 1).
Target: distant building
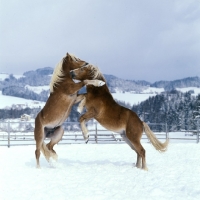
(25, 117)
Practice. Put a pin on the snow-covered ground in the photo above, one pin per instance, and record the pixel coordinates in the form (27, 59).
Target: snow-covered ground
(101, 172)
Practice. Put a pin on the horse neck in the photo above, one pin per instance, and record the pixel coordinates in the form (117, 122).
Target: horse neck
(104, 88)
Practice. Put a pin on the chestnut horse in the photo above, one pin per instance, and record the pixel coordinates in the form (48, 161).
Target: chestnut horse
(101, 106)
(63, 94)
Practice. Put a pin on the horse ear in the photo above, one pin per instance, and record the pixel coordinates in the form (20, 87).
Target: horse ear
(69, 56)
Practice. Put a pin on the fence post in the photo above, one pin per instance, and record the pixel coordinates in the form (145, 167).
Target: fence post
(166, 130)
(197, 131)
(96, 132)
(8, 134)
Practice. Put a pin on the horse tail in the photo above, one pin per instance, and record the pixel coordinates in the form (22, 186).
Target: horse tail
(45, 151)
(159, 146)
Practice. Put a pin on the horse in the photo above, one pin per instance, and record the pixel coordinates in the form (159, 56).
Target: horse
(101, 106)
(63, 94)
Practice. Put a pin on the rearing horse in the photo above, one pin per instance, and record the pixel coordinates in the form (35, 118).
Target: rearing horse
(101, 106)
(63, 94)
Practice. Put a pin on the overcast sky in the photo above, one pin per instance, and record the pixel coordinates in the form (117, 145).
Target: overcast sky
(148, 40)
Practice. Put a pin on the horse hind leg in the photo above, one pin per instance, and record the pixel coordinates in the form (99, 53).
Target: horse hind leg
(138, 162)
(141, 154)
(37, 151)
(55, 138)
(39, 138)
(139, 149)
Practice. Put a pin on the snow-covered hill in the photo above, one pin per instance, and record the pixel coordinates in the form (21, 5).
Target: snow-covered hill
(132, 92)
(8, 101)
(3, 76)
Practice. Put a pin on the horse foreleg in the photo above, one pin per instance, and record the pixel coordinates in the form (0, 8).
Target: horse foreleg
(75, 87)
(79, 98)
(83, 119)
(96, 83)
(81, 105)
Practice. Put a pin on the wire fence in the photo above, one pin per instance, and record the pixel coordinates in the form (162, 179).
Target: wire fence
(22, 133)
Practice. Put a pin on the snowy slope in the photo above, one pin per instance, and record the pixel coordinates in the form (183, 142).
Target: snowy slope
(37, 89)
(8, 101)
(101, 172)
(196, 90)
(131, 98)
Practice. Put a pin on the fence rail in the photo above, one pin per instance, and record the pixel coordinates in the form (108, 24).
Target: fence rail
(21, 133)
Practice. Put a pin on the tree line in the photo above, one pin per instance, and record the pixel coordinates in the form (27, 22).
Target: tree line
(178, 110)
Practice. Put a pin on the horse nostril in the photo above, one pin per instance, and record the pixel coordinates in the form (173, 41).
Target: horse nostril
(72, 74)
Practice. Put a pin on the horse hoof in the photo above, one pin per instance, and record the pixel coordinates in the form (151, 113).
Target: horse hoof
(86, 140)
(101, 83)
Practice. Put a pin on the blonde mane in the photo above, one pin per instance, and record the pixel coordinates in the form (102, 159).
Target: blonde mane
(56, 77)
(96, 74)
(74, 58)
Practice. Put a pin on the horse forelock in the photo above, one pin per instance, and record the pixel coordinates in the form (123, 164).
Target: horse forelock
(57, 74)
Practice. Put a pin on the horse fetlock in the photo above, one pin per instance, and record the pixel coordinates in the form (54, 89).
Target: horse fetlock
(86, 136)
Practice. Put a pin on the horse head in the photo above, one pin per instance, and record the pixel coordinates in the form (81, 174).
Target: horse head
(62, 70)
(89, 72)
(72, 62)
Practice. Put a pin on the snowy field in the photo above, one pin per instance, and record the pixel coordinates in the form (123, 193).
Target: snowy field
(101, 171)
(3, 76)
(37, 89)
(195, 89)
(131, 98)
(10, 100)
(127, 97)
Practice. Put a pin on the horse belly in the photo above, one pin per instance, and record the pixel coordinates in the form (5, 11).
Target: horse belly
(112, 125)
(55, 113)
